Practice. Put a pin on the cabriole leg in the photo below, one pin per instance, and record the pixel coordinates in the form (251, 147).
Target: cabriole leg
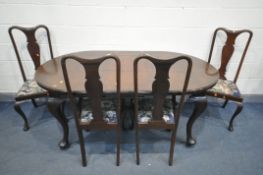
(200, 106)
(55, 107)
(238, 110)
(22, 114)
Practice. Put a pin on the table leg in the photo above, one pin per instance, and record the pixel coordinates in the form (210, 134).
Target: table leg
(55, 107)
(200, 106)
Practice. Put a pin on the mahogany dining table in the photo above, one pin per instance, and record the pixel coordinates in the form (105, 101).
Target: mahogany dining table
(50, 77)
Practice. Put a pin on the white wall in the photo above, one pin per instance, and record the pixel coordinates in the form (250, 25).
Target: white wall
(174, 25)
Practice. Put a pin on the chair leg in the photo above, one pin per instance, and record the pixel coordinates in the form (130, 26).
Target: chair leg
(137, 145)
(82, 148)
(34, 103)
(171, 155)
(118, 146)
(225, 103)
(238, 110)
(22, 114)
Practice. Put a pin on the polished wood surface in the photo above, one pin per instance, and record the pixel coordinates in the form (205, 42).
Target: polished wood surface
(228, 49)
(50, 76)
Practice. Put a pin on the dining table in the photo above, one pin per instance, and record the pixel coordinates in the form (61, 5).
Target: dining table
(49, 76)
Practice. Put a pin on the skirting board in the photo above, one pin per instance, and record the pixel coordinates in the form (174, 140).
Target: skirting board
(250, 98)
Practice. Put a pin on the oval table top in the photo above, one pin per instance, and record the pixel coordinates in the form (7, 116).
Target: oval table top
(50, 77)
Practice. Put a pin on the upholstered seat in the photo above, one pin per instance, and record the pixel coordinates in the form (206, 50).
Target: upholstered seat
(110, 117)
(225, 87)
(145, 111)
(30, 88)
(144, 117)
(109, 111)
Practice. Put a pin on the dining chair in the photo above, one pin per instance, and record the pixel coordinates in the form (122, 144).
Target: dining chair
(30, 89)
(227, 89)
(96, 116)
(161, 112)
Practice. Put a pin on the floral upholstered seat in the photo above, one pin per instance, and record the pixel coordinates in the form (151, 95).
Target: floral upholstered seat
(30, 88)
(145, 111)
(225, 87)
(110, 117)
(109, 112)
(146, 116)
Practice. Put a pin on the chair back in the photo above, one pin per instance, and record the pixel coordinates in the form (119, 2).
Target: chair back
(161, 84)
(228, 50)
(32, 45)
(93, 86)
